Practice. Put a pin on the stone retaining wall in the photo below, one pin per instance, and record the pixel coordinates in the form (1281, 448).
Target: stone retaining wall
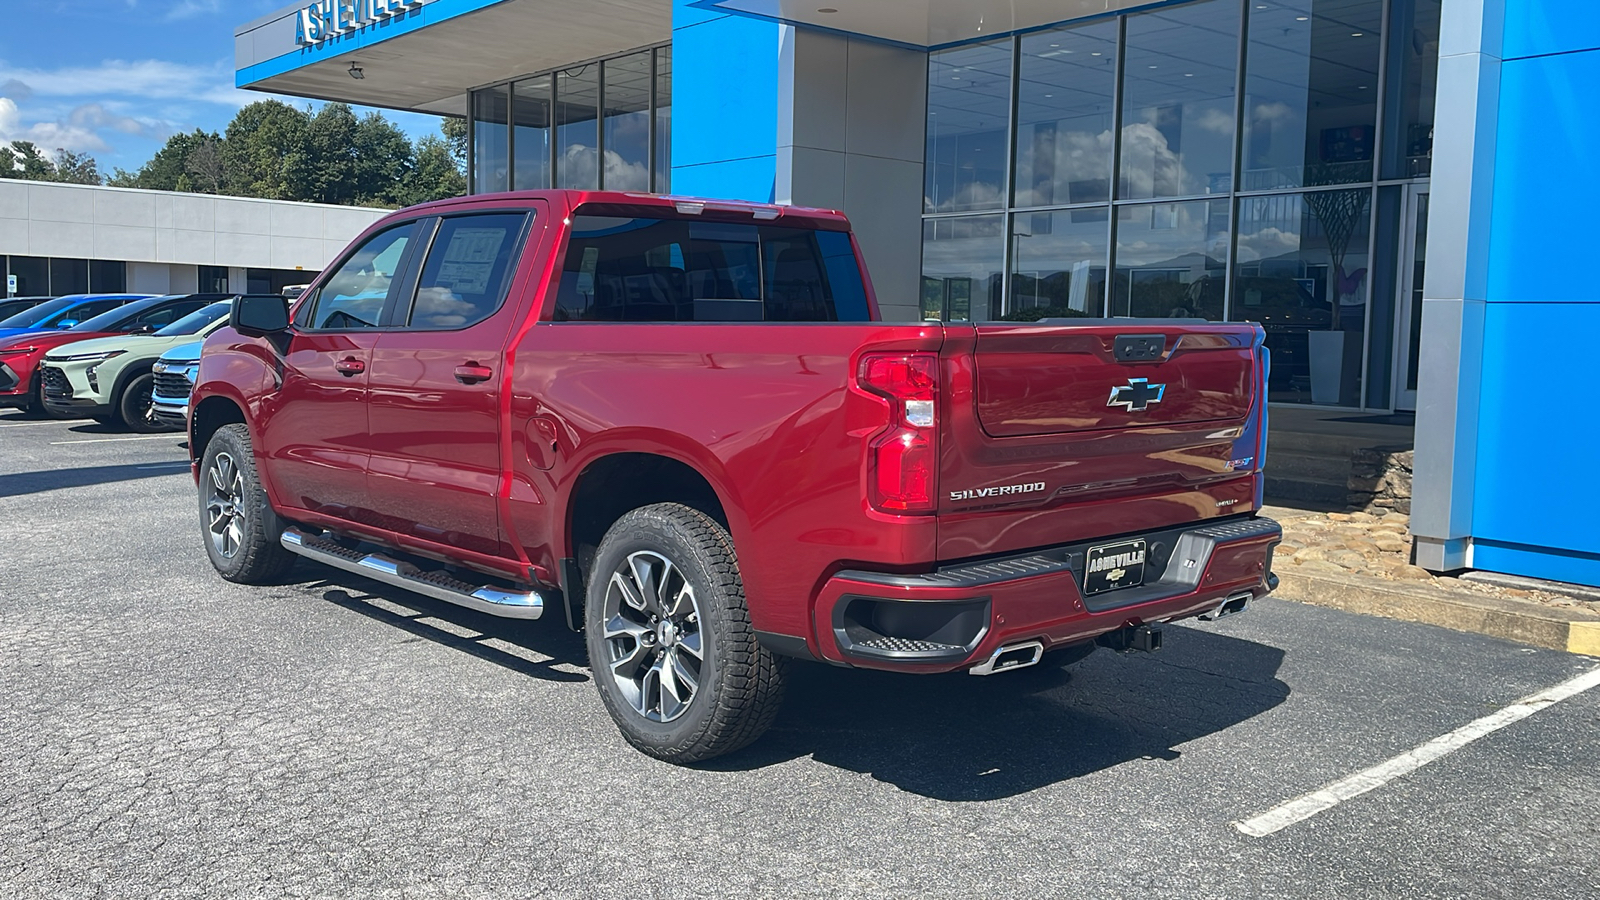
(1380, 479)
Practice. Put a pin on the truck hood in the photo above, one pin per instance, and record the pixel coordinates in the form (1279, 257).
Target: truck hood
(183, 353)
(137, 345)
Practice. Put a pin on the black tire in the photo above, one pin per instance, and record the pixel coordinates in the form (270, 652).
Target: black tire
(228, 470)
(737, 686)
(34, 407)
(133, 406)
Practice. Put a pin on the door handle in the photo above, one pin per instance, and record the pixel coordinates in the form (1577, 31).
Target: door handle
(350, 367)
(472, 373)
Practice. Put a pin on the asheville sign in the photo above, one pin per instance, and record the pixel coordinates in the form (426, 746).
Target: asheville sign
(330, 18)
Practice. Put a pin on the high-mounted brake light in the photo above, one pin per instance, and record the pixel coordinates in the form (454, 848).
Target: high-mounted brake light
(902, 457)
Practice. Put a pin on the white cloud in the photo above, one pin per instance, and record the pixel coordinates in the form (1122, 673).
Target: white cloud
(188, 9)
(48, 135)
(144, 79)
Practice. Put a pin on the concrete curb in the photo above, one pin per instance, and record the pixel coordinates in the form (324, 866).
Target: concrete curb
(1572, 631)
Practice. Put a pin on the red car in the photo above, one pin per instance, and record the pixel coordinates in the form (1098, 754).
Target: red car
(681, 423)
(20, 354)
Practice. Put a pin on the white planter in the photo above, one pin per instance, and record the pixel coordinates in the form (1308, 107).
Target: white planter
(1335, 358)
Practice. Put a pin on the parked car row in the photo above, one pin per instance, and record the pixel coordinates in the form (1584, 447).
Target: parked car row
(94, 355)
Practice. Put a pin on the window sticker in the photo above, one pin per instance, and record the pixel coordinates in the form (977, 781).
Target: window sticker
(469, 260)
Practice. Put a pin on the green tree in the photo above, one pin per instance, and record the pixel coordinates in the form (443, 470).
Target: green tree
(331, 148)
(266, 152)
(435, 175)
(168, 170)
(455, 133)
(383, 161)
(76, 168)
(28, 163)
(24, 160)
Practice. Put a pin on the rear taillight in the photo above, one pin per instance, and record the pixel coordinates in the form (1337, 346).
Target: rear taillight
(901, 457)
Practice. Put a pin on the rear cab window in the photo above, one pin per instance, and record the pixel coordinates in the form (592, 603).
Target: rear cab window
(641, 268)
(467, 270)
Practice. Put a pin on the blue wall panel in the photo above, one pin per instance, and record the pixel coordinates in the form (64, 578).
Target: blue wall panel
(1547, 185)
(1537, 27)
(733, 179)
(1538, 473)
(724, 104)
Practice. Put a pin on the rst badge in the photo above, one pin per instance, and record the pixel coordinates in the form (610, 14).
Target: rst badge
(1136, 395)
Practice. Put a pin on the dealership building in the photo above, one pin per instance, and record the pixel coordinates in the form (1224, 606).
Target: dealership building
(1372, 180)
(58, 239)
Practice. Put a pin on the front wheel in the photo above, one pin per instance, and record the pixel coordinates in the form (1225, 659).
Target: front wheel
(134, 408)
(670, 642)
(241, 531)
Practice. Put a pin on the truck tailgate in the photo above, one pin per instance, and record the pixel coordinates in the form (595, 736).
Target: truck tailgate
(1059, 433)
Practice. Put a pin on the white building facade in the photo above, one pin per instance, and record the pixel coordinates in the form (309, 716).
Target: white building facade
(58, 239)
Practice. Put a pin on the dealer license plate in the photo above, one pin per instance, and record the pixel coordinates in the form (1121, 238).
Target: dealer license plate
(1114, 566)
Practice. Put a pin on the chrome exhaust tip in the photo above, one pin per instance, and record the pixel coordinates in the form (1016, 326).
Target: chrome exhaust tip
(1012, 656)
(1237, 603)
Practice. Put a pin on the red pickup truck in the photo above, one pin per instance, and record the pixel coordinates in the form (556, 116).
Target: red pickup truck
(681, 424)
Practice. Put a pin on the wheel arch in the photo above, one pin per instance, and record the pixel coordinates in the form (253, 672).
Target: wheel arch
(614, 484)
(125, 376)
(208, 415)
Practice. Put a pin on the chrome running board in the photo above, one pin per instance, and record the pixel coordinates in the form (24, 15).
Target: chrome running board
(438, 585)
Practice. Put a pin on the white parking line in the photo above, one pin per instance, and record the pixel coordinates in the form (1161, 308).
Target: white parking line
(1302, 808)
(142, 437)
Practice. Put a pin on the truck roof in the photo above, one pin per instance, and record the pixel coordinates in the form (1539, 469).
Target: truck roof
(681, 204)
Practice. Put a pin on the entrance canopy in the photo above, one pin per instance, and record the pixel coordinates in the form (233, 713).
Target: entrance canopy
(922, 23)
(425, 56)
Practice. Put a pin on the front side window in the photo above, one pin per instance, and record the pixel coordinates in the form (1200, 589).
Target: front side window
(464, 278)
(355, 295)
(625, 269)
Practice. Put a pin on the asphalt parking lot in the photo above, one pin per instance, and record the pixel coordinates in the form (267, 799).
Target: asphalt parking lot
(165, 733)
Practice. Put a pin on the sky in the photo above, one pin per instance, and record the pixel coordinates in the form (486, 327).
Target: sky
(116, 78)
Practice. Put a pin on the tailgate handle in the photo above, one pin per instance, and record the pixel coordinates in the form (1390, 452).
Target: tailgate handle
(1139, 347)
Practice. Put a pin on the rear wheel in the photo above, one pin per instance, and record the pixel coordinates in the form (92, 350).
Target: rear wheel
(240, 528)
(674, 656)
(134, 408)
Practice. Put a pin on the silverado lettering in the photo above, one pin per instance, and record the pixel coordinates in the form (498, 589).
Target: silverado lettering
(1001, 491)
(682, 428)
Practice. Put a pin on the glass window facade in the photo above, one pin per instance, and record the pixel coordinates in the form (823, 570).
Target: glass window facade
(1217, 159)
(604, 124)
(55, 277)
(491, 145)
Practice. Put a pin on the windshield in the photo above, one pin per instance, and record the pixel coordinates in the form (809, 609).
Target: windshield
(109, 320)
(197, 320)
(30, 318)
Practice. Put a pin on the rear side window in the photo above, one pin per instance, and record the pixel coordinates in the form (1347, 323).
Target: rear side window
(682, 270)
(356, 294)
(465, 276)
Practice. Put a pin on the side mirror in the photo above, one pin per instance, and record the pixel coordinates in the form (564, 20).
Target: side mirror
(64, 324)
(141, 328)
(259, 316)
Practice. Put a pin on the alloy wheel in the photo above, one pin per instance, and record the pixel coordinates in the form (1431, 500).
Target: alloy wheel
(225, 514)
(652, 635)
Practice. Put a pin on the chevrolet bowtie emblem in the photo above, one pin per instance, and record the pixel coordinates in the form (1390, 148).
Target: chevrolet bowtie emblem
(1136, 395)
